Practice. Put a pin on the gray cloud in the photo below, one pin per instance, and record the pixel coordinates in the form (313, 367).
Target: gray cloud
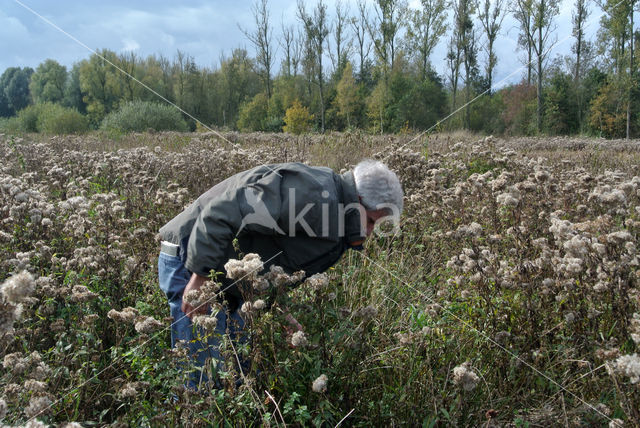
(203, 29)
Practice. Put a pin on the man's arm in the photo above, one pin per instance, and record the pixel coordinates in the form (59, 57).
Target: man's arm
(222, 218)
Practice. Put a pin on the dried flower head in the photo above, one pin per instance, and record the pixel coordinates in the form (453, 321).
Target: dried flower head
(299, 339)
(80, 293)
(208, 322)
(404, 338)
(367, 313)
(629, 366)
(132, 389)
(34, 423)
(147, 325)
(320, 384)
(634, 328)
(193, 297)
(19, 287)
(465, 377)
(246, 307)
(3, 409)
(128, 315)
(35, 385)
(318, 281)
(38, 405)
(261, 284)
(248, 268)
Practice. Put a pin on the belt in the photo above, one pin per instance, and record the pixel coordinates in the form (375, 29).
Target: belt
(169, 248)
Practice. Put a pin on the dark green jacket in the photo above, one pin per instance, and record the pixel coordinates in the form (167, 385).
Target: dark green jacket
(314, 212)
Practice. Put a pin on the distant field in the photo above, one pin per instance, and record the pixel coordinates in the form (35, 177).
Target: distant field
(510, 297)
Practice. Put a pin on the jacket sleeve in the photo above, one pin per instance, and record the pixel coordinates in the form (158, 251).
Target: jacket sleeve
(222, 218)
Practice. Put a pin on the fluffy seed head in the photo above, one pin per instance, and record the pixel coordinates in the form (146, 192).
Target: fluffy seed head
(18, 287)
(320, 384)
(464, 376)
(299, 339)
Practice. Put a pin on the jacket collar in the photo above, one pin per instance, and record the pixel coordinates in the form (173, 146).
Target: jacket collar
(352, 225)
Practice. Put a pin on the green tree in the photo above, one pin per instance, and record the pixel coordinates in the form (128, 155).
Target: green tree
(384, 30)
(234, 83)
(491, 20)
(55, 119)
(523, 13)
(101, 85)
(518, 114)
(73, 97)
(254, 114)
(465, 50)
(377, 103)
(608, 110)
(48, 82)
(616, 40)
(359, 26)
(14, 90)
(426, 27)
(49, 118)
(544, 12)
(561, 109)
(130, 64)
(297, 119)
(341, 39)
(261, 38)
(316, 30)
(286, 89)
(583, 51)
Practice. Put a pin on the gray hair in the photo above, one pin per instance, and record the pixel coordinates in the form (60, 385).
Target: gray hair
(378, 186)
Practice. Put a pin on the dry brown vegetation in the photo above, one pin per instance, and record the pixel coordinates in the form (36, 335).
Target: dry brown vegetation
(510, 297)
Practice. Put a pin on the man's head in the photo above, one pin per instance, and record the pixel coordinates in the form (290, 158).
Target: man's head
(379, 190)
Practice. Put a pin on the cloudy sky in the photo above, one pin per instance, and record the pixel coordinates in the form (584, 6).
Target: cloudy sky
(204, 29)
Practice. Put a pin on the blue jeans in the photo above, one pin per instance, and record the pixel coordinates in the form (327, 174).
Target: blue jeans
(203, 347)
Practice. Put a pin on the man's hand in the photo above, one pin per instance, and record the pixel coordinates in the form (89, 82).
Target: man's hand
(294, 325)
(194, 283)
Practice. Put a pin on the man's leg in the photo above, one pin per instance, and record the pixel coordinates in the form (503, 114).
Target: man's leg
(173, 278)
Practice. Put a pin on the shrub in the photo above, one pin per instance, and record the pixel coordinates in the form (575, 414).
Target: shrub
(48, 118)
(138, 116)
(26, 120)
(56, 119)
(297, 119)
(253, 115)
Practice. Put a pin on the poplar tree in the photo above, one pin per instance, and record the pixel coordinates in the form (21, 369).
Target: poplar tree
(491, 20)
(426, 27)
(316, 29)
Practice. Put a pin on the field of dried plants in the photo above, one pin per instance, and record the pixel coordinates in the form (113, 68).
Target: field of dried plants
(509, 298)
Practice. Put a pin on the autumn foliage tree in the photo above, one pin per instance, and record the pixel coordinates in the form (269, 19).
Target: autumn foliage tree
(347, 94)
(608, 111)
(519, 109)
(297, 119)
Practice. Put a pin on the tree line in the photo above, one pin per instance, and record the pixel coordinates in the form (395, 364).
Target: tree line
(371, 68)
